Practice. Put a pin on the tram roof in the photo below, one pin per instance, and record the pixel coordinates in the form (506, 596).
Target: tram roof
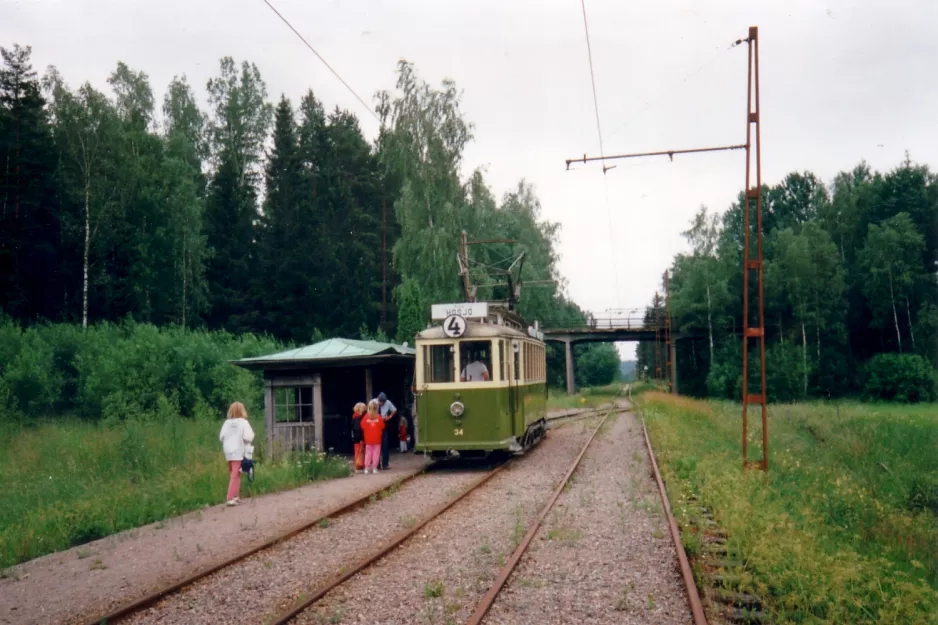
(330, 351)
(474, 330)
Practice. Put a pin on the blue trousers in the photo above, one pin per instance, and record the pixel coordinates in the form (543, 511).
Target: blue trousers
(385, 447)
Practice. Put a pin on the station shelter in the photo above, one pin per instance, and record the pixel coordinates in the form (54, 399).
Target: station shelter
(309, 392)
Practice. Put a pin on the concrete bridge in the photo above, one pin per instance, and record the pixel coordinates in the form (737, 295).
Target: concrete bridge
(616, 325)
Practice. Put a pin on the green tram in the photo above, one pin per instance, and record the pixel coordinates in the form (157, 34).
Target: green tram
(480, 384)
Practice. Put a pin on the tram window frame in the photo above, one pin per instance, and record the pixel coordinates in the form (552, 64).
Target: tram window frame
(502, 360)
(485, 345)
(517, 361)
(432, 366)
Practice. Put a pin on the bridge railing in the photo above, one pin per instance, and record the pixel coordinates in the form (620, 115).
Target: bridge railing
(625, 320)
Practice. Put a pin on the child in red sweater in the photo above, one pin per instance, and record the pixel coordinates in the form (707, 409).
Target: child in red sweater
(402, 435)
(372, 428)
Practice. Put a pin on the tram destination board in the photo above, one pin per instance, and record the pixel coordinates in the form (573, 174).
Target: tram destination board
(473, 310)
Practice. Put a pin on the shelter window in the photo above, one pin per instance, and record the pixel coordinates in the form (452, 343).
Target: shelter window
(476, 360)
(438, 363)
(293, 405)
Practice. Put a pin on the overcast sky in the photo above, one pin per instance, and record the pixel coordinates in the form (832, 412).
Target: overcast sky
(842, 80)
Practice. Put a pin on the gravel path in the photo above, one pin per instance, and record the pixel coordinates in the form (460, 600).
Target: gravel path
(89, 580)
(603, 554)
(439, 575)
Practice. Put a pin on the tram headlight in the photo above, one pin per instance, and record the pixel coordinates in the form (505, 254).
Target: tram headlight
(456, 408)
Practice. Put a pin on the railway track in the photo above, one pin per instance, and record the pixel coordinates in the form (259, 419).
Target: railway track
(320, 592)
(692, 594)
(137, 606)
(314, 595)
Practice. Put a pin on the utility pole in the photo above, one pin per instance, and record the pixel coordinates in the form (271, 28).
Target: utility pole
(657, 307)
(384, 264)
(753, 330)
(668, 347)
(463, 258)
(753, 199)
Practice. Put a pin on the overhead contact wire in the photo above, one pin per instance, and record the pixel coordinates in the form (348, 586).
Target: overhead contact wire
(324, 62)
(589, 52)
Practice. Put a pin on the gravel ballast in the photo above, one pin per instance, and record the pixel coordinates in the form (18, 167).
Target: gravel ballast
(440, 574)
(604, 553)
(272, 579)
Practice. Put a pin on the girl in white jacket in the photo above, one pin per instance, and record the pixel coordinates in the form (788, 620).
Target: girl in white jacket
(236, 436)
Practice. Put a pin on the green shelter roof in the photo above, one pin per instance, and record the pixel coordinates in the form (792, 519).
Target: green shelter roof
(330, 350)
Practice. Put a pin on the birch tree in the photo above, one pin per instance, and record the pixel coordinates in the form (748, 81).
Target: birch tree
(891, 258)
(704, 235)
(84, 126)
(186, 151)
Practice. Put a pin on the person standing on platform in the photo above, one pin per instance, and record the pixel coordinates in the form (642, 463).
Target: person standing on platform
(388, 412)
(358, 444)
(372, 429)
(402, 434)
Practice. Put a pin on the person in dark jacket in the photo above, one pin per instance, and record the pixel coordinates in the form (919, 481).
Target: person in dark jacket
(358, 443)
(388, 411)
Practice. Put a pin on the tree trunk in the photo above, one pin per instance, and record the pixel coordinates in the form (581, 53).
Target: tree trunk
(895, 315)
(84, 286)
(908, 314)
(818, 330)
(6, 191)
(710, 323)
(817, 325)
(804, 357)
(185, 270)
(16, 192)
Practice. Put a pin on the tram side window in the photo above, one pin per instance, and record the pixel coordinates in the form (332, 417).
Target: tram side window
(517, 362)
(502, 356)
(438, 363)
(476, 360)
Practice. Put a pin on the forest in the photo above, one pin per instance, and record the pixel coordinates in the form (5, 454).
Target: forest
(850, 287)
(253, 217)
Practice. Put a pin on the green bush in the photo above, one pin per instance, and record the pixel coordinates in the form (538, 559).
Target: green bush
(725, 380)
(907, 378)
(31, 380)
(124, 371)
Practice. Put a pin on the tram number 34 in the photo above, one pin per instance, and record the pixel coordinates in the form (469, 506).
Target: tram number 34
(457, 432)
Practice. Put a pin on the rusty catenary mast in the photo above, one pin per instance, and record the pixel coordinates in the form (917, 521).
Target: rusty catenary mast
(753, 335)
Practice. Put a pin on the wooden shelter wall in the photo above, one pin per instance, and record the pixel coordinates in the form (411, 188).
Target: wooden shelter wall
(343, 387)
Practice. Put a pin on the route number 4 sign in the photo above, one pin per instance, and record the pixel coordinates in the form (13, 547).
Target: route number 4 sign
(454, 326)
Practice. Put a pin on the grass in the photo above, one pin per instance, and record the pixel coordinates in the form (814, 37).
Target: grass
(73, 482)
(557, 399)
(843, 526)
(433, 589)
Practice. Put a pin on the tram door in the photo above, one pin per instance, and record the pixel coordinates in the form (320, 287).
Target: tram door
(514, 401)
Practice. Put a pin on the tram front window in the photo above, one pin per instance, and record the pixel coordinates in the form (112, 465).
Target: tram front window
(476, 358)
(438, 363)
